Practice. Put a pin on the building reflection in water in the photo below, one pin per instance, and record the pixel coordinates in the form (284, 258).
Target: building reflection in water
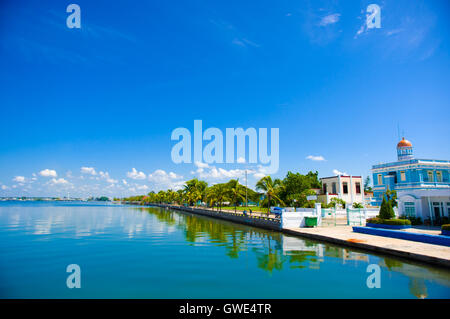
(273, 250)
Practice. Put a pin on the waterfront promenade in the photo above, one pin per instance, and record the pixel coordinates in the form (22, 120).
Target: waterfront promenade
(340, 235)
(344, 235)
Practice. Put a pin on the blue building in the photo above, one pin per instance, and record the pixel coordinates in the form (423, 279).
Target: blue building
(422, 185)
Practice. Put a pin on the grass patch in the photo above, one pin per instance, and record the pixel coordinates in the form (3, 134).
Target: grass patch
(255, 209)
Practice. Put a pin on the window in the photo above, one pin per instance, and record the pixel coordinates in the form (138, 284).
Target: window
(380, 179)
(324, 188)
(395, 176)
(333, 186)
(430, 176)
(358, 188)
(402, 176)
(439, 176)
(410, 209)
(345, 187)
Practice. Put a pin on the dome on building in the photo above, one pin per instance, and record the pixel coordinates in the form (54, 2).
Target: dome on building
(404, 150)
(404, 143)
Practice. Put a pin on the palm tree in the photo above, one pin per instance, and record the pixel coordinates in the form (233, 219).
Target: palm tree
(219, 193)
(170, 196)
(196, 189)
(271, 188)
(161, 196)
(180, 197)
(236, 191)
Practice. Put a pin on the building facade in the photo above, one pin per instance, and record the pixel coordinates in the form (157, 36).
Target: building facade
(348, 188)
(422, 185)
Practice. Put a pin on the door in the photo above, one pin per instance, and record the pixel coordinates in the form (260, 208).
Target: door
(437, 214)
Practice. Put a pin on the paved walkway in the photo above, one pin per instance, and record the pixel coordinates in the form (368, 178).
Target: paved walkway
(424, 230)
(436, 254)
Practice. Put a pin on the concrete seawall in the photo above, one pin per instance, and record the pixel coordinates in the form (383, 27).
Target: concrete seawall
(256, 221)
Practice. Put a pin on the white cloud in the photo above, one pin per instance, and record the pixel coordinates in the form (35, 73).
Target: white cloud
(361, 30)
(19, 179)
(262, 171)
(172, 175)
(393, 32)
(315, 158)
(142, 187)
(124, 182)
(59, 181)
(336, 172)
(241, 160)
(48, 173)
(206, 171)
(201, 165)
(259, 175)
(105, 176)
(160, 176)
(4, 187)
(134, 174)
(329, 19)
(164, 180)
(88, 170)
(243, 42)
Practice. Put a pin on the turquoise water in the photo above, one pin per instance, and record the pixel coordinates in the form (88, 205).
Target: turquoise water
(134, 252)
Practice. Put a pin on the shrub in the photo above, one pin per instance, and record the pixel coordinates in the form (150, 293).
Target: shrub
(357, 205)
(396, 222)
(374, 220)
(413, 220)
(386, 210)
(446, 227)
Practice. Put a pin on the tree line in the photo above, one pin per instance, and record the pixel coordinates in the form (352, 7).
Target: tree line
(290, 191)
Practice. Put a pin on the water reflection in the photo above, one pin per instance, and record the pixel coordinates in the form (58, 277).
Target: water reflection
(269, 251)
(274, 250)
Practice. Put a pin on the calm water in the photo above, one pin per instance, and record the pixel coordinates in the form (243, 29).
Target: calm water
(130, 252)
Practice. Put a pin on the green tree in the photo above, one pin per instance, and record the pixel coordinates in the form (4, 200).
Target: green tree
(295, 185)
(357, 205)
(195, 190)
(271, 188)
(180, 197)
(391, 196)
(336, 201)
(300, 199)
(386, 210)
(216, 195)
(236, 192)
(367, 187)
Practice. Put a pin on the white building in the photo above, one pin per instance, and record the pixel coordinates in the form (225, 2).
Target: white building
(347, 188)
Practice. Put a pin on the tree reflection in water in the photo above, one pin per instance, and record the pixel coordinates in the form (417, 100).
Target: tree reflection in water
(273, 250)
(266, 245)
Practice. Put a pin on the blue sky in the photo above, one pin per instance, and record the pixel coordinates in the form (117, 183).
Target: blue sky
(90, 111)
